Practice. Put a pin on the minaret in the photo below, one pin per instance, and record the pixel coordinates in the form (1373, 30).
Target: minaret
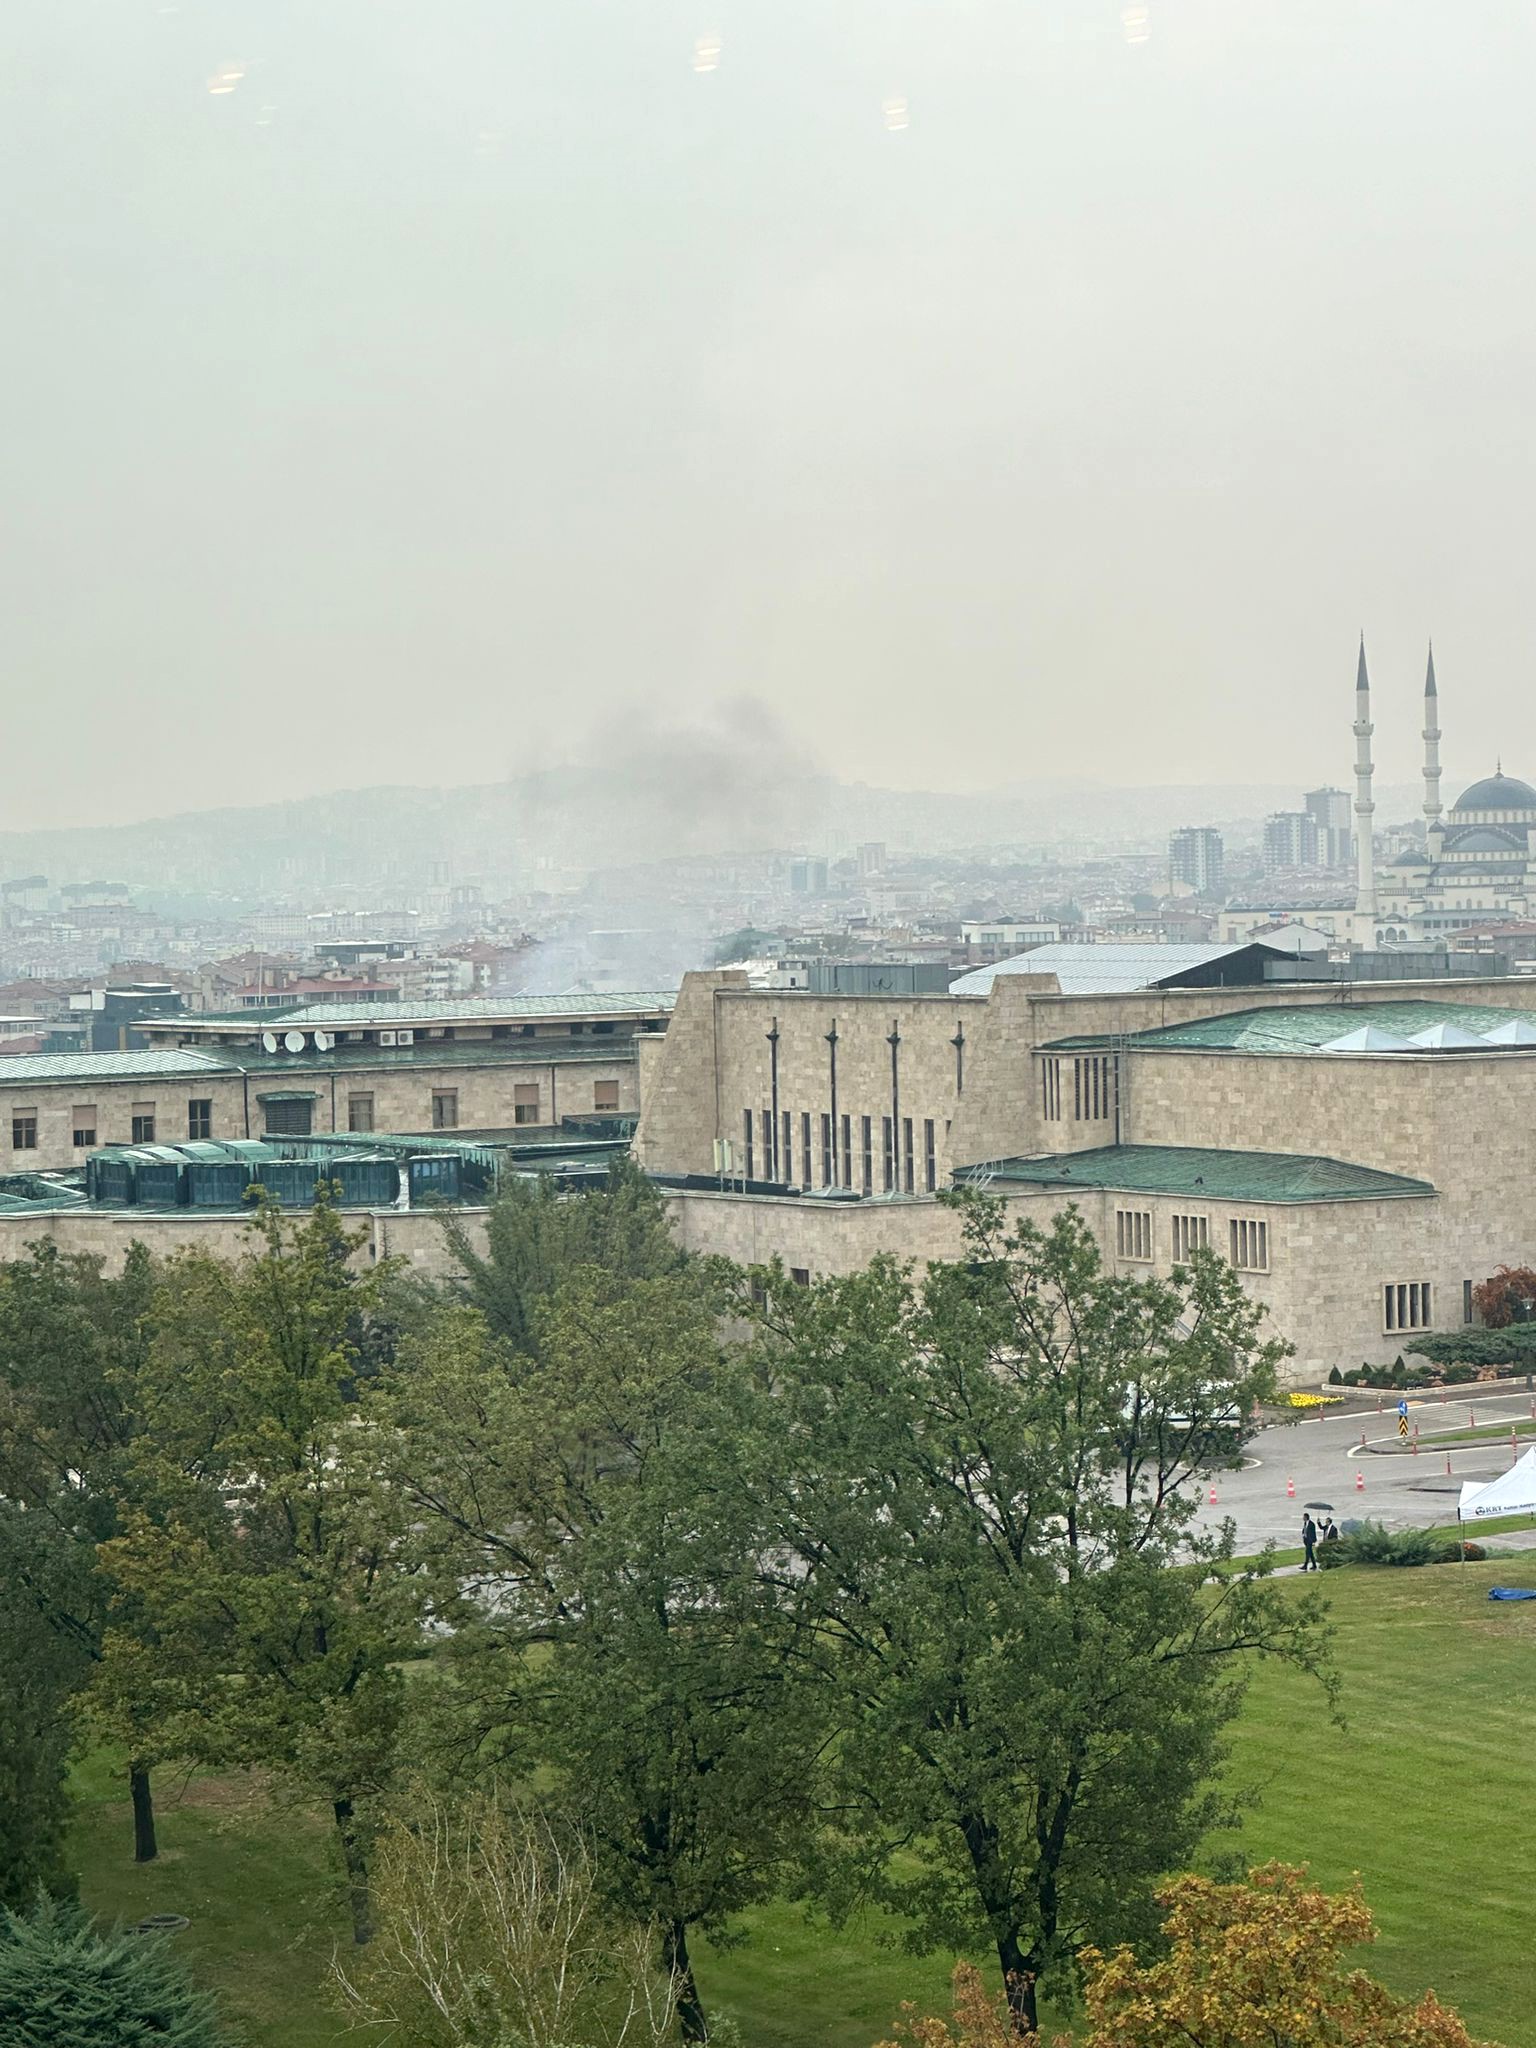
(1434, 825)
(1365, 845)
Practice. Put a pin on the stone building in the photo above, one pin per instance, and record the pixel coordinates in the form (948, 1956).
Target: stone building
(1358, 1151)
(523, 1063)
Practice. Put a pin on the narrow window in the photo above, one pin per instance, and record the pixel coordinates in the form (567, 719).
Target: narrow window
(906, 1150)
(828, 1163)
(141, 1124)
(83, 1124)
(887, 1137)
(1249, 1244)
(605, 1097)
(769, 1172)
(24, 1130)
(525, 1103)
(930, 1157)
(867, 1141)
(787, 1163)
(1468, 1311)
(847, 1136)
(805, 1148)
(445, 1108)
(359, 1112)
(200, 1117)
(1050, 1090)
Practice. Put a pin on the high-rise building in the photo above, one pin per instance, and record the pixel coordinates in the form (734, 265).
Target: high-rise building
(808, 876)
(1290, 841)
(1335, 843)
(1197, 859)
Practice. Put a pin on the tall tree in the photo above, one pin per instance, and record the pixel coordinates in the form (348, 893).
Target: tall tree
(43, 1668)
(610, 1621)
(269, 1554)
(537, 1235)
(72, 1344)
(980, 1484)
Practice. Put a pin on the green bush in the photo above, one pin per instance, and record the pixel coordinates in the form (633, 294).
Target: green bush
(1335, 1377)
(1372, 1544)
(1458, 1373)
(63, 1985)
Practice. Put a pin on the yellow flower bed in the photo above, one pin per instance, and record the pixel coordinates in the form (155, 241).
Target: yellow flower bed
(1313, 1400)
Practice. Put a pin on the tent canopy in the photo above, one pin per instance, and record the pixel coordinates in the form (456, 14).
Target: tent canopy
(1512, 1493)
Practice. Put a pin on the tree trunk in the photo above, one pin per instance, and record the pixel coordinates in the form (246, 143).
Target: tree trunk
(357, 1871)
(690, 2013)
(145, 1847)
(1019, 1983)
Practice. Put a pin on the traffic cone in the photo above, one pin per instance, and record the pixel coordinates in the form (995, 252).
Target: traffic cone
(1213, 1496)
(1447, 1464)
(1362, 1439)
(1471, 1418)
(1290, 1489)
(1359, 1480)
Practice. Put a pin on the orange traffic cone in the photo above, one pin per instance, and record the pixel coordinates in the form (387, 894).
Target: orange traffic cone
(1290, 1489)
(1359, 1480)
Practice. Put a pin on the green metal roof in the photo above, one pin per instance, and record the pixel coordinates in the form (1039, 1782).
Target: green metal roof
(1302, 1028)
(1205, 1174)
(154, 1064)
(391, 1014)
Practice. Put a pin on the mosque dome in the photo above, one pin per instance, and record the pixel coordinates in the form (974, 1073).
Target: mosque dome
(1484, 839)
(1499, 792)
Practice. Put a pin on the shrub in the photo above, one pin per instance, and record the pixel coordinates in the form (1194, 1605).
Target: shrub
(1370, 1543)
(1335, 1377)
(63, 1985)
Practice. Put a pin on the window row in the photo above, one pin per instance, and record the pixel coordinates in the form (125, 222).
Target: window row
(1247, 1238)
(866, 1153)
(1095, 1088)
(85, 1125)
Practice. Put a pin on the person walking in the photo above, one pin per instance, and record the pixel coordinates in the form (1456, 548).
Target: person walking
(1309, 1543)
(1331, 1531)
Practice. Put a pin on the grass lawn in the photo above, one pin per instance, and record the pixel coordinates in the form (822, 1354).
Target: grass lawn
(1426, 1794)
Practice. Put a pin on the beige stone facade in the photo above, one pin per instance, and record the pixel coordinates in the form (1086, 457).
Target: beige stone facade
(1010, 1089)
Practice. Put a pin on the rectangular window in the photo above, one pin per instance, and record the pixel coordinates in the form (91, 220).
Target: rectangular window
(24, 1130)
(847, 1151)
(525, 1103)
(605, 1097)
(200, 1117)
(805, 1148)
(746, 1125)
(770, 1163)
(83, 1123)
(1133, 1233)
(141, 1124)
(867, 1143)
(787, 1136)
(1191, 1234)
(293, 1119)
(930, 1157)
(1406, 1305)
(906, 1153)
(828, 1160)
(1050, 1090)
(801, 1275)
(359, 1112)
(1468, 1306)
(887, 1141)
(445, 1108)
(1249, 1244)
(1092, 1084)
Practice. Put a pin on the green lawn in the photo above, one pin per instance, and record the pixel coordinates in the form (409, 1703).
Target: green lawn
(1427, 1794)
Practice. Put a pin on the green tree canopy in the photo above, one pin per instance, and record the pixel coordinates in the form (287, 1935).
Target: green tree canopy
(64, 1985)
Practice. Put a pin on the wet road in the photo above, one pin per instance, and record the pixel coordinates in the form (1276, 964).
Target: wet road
(1324, 1459)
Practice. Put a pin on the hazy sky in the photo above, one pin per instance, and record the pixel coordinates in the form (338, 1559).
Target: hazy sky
(994, 388)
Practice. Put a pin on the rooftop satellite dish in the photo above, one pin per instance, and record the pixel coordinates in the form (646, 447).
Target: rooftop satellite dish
(294, 1040)
(269, 1041)
(323, 1041)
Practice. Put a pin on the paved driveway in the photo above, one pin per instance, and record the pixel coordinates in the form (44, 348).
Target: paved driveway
(1323, 1457)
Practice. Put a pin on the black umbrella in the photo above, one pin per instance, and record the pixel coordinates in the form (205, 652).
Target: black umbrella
(1325, 1505)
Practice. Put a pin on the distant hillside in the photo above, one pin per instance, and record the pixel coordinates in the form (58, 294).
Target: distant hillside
(505, 834)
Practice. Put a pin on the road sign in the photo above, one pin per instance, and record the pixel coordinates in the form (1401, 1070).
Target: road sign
(1402, 1425)
(1402, 1409)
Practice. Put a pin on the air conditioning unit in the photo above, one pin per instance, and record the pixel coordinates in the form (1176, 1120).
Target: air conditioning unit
(405, 1038)
(386, 1038)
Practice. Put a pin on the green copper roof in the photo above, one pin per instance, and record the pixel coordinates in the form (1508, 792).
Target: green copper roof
(1304, 1027)
(1205, 1174)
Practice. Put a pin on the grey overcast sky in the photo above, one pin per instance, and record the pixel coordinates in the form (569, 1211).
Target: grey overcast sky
(406, 390)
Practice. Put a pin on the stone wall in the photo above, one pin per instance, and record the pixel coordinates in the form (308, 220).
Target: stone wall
(415, 1236)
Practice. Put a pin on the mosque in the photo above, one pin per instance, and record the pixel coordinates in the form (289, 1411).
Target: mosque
(1479, 863)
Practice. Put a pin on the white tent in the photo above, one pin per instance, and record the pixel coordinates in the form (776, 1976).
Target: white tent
(1512, 1493)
